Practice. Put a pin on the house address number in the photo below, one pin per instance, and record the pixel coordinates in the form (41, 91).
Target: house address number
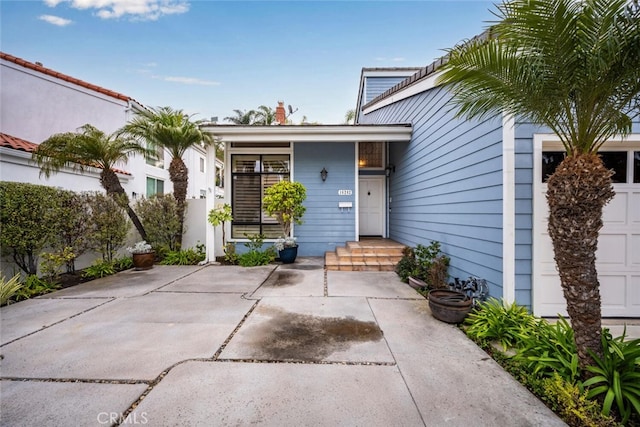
(345, 192)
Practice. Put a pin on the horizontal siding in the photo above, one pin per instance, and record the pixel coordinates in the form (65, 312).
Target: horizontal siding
(448, 184)
(375, 86)
(325, 226)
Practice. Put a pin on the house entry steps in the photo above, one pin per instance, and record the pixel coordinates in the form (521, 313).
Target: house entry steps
(366, 255)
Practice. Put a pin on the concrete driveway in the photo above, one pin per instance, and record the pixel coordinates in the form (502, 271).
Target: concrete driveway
(289, 345)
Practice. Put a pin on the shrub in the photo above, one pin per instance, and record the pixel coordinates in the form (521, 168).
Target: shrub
(28, 219)
(159, 216)
(426, 263)
(123, 263)
(494, 321)
(53, 261)
(230, 254)
(185, 257)
(283, 201)
(407, 264)
(74, 222)
(8, 288)
(617, 376)
(219, 216)
(572, 405)
(34, 286)
(100, 268)
(109, 226)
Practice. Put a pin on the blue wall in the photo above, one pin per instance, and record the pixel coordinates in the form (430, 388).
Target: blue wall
(377, 85)
(448, 184)
(325, 226)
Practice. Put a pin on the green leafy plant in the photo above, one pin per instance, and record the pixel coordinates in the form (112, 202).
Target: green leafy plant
(53, 261)
(230, 254)
(616, 376)
(8, 288)
(495, 321)
(549, 349)
(256, 256)
(34, 286)
(284, 202)
(109, 226)
(123, 263)
(100, 268)
(185, 257)
(407, 264)
(74, 222)
(425, 263)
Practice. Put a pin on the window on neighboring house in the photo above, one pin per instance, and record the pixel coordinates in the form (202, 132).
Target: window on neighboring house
(370, 155)
(251, 175)
(154, 186)
(203, 194)
(156, 159)
(201, 164)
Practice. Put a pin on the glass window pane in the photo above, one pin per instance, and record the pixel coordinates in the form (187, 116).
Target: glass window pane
(550, 161)
(239, 231)
(272, 231)
(246, 163)
(151, 187)
(275, 163)
(636, 167)
(268, 181)
(616, 160)
(370, 154)
(159, 187)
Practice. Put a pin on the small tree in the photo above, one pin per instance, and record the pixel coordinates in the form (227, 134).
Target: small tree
(74, 220)
(220, 215)
(160, 218)
(109, 226)
(284, 202)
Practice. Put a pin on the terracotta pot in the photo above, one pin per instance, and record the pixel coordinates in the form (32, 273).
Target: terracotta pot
(144, 261)
(449, 306)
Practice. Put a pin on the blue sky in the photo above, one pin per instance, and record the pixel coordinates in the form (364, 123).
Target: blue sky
(211, 57)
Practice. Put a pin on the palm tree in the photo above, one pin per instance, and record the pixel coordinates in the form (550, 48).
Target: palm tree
(91, 148)
(264, 116)
(242, 117)
(174, 131)
(573, 67)
(349, 116)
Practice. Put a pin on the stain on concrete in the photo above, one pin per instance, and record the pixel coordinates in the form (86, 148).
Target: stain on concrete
(281, 278)
(301, 267)
(294, 336)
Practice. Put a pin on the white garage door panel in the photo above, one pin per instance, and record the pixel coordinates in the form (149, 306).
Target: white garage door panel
(617, 258)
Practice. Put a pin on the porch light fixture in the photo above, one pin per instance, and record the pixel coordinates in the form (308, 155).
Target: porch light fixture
(323, 174)
(390, 168)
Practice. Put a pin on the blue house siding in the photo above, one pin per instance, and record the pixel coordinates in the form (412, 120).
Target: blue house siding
(377, 85)
(325, 225)
(448, 184)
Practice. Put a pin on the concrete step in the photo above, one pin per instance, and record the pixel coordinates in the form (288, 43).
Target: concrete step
(366, 255)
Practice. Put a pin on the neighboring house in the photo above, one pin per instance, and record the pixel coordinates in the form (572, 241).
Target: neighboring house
(478, 187)
(38, 102)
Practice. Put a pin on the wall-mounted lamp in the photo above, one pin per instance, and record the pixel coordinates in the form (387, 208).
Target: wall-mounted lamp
(323, 174)
(390, 168)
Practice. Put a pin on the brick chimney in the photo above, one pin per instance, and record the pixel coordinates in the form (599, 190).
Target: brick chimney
(281, 115)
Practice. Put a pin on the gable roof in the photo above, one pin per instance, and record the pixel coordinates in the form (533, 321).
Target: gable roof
(48, 71)
(15, 143)
(424, 72)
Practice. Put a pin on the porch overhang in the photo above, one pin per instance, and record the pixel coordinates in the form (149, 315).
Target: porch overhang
(310, 133)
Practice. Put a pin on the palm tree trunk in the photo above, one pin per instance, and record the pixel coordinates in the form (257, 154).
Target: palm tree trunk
(111, 184)
(576, 194)
(179, 175)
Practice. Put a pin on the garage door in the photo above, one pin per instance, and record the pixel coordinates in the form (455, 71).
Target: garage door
(618, 256)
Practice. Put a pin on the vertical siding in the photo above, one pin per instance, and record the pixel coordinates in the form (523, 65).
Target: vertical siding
(325, 226)
(448, 184)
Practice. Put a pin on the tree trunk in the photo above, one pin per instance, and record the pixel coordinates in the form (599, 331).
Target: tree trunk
(111, 184)
(179, 175)
(576, 194)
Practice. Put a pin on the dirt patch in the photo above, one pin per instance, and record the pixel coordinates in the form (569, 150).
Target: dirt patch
(294, 336)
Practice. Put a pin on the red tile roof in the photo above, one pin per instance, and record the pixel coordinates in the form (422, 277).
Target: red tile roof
(38, 67)
(19, 144)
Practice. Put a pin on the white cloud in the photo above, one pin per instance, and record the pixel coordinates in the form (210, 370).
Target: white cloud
(55, 20)
(187, 80)
(143, 10)
(398, 59)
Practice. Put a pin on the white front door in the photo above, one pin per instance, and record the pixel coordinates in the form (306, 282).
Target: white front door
(371, 206)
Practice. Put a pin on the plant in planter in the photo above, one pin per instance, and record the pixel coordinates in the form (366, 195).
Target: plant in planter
(424, 267)
(284, 202)
(143, 255)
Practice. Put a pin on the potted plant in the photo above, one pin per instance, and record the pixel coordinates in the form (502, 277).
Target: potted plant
(143, 255)
(284, 202)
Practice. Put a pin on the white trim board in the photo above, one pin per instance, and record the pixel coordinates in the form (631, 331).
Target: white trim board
(508, 209)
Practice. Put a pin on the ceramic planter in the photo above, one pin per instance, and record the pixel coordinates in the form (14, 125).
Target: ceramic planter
(288, 255)
(449, 306)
